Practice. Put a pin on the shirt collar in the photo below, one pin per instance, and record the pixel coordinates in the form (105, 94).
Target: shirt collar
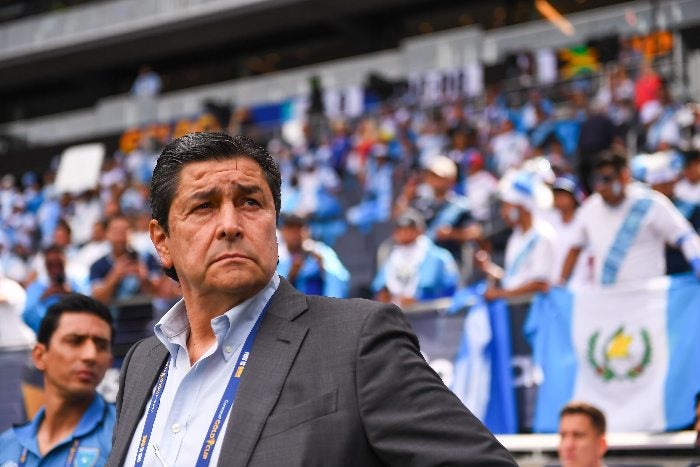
(26, 434)
(172, 329)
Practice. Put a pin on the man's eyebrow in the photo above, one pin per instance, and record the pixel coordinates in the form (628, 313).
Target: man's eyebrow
(204, 194)
(75, 335)
(244, 188)
(249, 189)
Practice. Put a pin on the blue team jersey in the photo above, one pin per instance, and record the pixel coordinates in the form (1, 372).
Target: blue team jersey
(93, 435)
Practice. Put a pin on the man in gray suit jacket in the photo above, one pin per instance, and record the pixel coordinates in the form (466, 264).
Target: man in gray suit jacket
(245, 370)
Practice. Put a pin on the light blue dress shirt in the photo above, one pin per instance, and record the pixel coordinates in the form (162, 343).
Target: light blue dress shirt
(192, 393)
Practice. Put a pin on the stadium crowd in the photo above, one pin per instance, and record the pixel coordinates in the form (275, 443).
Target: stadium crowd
(442, 158)
(433, 171)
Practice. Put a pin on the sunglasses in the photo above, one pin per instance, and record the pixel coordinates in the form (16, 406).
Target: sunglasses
(603, 179)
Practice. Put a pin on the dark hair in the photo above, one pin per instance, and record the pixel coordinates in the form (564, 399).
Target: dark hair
(63, 224)
(71, 303)
(117, 216)
(594, 414)
(691, 155)
(53, 248)
(198, 147)
(609, 157)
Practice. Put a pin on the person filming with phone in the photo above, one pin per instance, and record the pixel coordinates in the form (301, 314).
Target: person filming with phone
(45, 291)
(123, 273)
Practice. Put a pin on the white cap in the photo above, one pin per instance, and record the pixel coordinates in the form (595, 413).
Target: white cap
(657, 168)
(525, 188)
(442, 166)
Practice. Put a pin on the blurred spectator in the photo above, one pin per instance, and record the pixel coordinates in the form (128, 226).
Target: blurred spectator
(96, 247)
(567, 199)
(20, 224)
(626, 227)
(87, 210)
(432, 138)
(582, 440)
(123, 273)
(647, 86)
(16, 339)
(47, 290)
(536, 110)
(530, 251)
(416, 269)
(140, 163)
(33, 194)
(11, 264)
(661, 171)
(52, 212)
(113, 180)
(687, 189)
(312, 267)
(463, 144)
(448, 221)
(74, 427)
(312, 194)
(481, 187)
(312, 179)
(8, 193)
(659, 119)
(508, 148)
(62, 238)
(377, 192)
(597, 134)
(147, 83)
(616, 94)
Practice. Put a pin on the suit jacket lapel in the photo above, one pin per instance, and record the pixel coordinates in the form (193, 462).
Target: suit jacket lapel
(142, 375)
(273, 352)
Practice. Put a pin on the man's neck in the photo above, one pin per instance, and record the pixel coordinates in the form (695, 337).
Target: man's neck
(567, 216)
(61, 416)
(200, 311)
(525, 222)
(616, 202)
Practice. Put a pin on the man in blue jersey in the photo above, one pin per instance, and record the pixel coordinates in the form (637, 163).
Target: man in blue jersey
(74, 427)
(311, 266)
(416, 269)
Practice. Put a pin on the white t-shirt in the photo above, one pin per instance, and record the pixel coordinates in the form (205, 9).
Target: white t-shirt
(14, 334)
(564, 235)
(538, 263)
(480, 187)
(686, 191)
(509, 150)
(600, 223)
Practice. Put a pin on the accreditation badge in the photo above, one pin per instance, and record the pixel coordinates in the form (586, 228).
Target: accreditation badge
(86, 457)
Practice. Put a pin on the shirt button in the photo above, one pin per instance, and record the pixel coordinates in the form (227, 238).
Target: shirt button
(228, 349)
(175, 428)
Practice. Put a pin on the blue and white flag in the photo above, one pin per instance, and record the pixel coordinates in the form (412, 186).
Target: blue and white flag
(483, 378)
(631, 349)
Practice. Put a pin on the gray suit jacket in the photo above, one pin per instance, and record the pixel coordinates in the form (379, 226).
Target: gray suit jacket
(330, 382)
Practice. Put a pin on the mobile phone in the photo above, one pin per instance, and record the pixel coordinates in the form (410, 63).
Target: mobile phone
(133, 256)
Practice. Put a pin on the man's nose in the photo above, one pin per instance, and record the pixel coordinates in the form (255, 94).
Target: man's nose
(229, 225)
(89, 351)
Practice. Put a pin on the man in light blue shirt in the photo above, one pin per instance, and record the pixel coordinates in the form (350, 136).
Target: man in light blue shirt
(247, 371)
(74, 427)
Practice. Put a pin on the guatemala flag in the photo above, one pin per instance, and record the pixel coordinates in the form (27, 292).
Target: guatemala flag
(483, 378)
(631, 349)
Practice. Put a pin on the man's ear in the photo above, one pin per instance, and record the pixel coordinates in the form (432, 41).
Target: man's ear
(160, 241)
(38, 354)
(602, 446)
